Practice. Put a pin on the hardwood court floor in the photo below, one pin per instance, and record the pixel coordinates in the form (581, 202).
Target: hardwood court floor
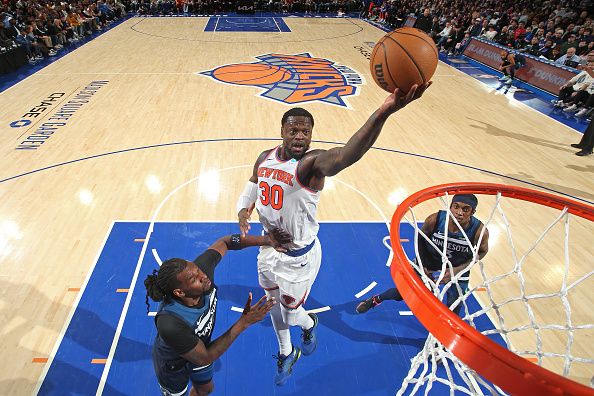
(153, 124)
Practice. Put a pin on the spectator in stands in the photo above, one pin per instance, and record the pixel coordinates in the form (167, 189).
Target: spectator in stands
(557, 37)
(40, 44)
(475, 29)
(442, 36)
(454, 39)
(459, 48)
(31, 47)
(571, 42)
(520, 31)
(490, 33)
(569, 91)
(424, 21)
(5, 41)
(12, 31)
(582, 100)
(533, 48)
(435, 28)
(569, 59)
(555, 54)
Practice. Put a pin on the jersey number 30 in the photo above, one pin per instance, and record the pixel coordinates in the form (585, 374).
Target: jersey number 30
(272, 196)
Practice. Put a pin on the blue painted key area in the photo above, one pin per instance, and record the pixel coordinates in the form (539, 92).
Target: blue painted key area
(357, 354)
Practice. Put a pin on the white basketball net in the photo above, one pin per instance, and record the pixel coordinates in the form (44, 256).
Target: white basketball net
(425, 370)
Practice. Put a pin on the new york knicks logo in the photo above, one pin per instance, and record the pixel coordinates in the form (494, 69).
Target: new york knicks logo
(293, 79)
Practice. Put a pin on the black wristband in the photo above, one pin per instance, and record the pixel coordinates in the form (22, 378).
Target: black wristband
(235, 242)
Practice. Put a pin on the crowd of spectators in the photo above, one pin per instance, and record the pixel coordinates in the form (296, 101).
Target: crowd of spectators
(41, 28)
(547, 29)
(210, 7)
(560, 31)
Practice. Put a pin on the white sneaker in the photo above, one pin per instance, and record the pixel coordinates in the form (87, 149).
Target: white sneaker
(503, 78)
(582, 112)
(570, 109)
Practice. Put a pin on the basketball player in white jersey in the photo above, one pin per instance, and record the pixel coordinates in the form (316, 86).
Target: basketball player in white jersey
(285, 186)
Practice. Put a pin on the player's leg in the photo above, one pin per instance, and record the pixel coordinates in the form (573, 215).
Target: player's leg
(202, 390)
(309, 338)
(202, 383)
(281, 328)
(374, 301)
(453, 294)
(173, 377)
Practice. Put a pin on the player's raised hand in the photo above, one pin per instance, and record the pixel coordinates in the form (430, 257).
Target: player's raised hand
(399, 99)
(244, 216)
(252, 314)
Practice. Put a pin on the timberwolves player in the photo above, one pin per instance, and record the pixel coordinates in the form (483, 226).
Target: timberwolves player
(458, 250)
(183, 350)
(285, 186)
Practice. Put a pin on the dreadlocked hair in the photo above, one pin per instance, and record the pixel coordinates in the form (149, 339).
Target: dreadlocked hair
(161, 283)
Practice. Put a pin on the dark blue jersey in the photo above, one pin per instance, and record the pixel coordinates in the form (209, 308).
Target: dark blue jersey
(180, 327)
(458, 250)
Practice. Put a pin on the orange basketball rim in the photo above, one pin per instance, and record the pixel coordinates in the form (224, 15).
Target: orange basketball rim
(512, 373)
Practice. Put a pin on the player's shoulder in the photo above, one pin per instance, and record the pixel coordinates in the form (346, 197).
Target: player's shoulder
(264, 154)
(312, 154)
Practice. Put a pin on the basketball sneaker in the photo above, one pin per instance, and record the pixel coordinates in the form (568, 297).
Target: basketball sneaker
(309, 340)
(285, 365)
(503, 78)
(366, 305)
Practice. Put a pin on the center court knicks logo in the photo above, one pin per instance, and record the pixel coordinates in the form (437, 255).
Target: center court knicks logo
(293, 79)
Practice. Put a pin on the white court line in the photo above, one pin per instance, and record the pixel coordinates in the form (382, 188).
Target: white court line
(371, 286)
(387, 245)
(278, 27)
(118, 331)
(116, 73)
(157, 258)
(405, 313)
(318, 310)
(216, 24)
(70, 315)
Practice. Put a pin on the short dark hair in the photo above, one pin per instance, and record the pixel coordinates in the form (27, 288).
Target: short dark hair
(297, 112)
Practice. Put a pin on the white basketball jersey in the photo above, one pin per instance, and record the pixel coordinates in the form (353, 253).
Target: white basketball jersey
(284, 203)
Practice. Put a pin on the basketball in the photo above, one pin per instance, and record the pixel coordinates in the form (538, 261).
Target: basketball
(402, 58)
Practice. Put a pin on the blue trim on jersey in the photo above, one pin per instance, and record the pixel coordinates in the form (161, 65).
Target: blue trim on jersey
(302, 251)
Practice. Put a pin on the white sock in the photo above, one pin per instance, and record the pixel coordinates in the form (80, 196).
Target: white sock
(281, 329)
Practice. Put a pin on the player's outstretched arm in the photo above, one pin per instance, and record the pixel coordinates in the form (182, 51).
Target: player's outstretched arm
(202, 355)
(329, 163)
(276, 239)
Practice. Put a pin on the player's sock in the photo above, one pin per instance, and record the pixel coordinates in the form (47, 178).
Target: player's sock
(281, 329)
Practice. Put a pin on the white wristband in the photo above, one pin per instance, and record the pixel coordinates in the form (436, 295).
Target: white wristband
(248, 196)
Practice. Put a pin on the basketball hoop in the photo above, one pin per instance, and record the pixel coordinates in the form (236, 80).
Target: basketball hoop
(473, 355)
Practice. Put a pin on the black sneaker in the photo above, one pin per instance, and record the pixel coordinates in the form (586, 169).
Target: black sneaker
(366, 305)
(577, 145)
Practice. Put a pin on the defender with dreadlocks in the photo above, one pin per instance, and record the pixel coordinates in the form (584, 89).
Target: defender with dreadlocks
(183, 350)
